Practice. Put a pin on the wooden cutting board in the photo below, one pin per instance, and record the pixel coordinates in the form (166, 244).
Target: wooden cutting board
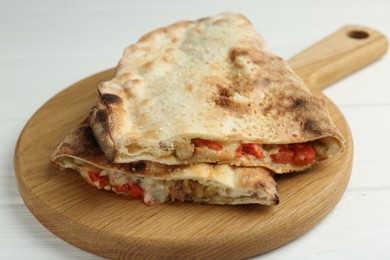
(117, 227)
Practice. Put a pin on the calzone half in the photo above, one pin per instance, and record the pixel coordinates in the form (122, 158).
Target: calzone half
(157, 183)
(210, 91)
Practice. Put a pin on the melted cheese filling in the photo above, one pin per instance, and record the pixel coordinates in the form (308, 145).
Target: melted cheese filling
(228, 154)
(154, 190)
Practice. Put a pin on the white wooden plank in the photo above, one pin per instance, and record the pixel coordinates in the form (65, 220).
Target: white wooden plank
(356, 229)
(369, 129)
(47, 45)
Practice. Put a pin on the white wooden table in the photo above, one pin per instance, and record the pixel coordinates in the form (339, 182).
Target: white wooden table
(46, 46)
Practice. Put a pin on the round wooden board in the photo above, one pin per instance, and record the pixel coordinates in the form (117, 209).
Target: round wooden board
(117, 227)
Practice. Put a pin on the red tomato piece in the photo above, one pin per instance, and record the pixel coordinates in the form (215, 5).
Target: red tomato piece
(253, 149)
(209, 144)
(102, 181)
(137, 191)
(284, 155)
(303, 154)
(298, 154)
(125, 188)
(239, 152)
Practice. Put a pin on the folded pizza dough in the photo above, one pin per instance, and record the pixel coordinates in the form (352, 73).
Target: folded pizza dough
(210, 91)
(157, 183)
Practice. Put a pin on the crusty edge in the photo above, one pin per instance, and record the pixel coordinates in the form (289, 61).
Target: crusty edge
(99, 123)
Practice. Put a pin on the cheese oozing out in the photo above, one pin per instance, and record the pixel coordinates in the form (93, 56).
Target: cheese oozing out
(257, 154)
(154, 191)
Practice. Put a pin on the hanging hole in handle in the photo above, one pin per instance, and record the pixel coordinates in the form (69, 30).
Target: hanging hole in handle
(358, 34)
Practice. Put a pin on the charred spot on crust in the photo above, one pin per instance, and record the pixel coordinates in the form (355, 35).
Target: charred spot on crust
(310, 126)
(235, 108)
(224, 92)
(276, 199)
(138, 166)
(86, 144)
(299, 103)
(88, 134)
(110, 99)
(234, 53)
(266, 82)
(223, 101)
(101, 115)
(90, 138)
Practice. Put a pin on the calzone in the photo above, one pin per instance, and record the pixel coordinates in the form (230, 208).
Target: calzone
(210, 91)
(156, 183)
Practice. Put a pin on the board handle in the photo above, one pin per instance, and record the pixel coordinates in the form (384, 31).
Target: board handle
(338, 55)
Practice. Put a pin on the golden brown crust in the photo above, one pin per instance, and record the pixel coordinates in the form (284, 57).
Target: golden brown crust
(82, 144)
(213, 78)
(100, 125)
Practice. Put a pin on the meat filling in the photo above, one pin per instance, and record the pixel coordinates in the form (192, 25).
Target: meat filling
(186, 189)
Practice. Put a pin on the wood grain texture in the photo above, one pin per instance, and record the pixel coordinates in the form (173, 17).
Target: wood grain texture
(118, 227)
(338, 55)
